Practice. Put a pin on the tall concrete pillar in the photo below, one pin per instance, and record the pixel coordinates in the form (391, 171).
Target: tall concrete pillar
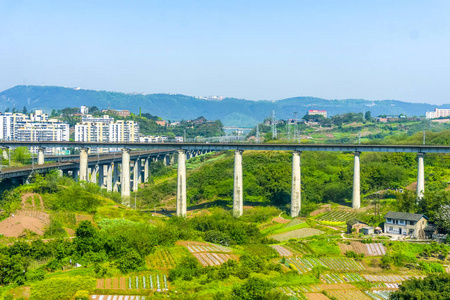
(136, 171)
(109, 177)
(5, 153)
(420, 177)
(356, 203)
(41, 157)
(94, 174)
(125, 178)
(181, 184)
(172, 160)
(84, 164)
(296, 192)
(101, 176)
(146, 169)
(116, 177)
(238, 195)
(75, 174)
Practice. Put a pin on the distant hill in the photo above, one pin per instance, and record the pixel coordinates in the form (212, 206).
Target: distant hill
(231, 111)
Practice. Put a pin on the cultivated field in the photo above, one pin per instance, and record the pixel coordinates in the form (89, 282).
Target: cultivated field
(373, 249)
(303, 265)
(157, 282)
(337, 216)
(281, 250)
(297, 234)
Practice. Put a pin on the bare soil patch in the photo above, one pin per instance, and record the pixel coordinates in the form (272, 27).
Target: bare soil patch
(32, 220)
(342, 286)
(316, 296)
(280, 220)
(80, 218)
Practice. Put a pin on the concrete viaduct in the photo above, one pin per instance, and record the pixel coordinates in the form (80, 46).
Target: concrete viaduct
(185, 149)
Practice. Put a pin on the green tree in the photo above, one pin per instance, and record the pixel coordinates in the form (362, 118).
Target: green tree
(253, 288)
(436, 287)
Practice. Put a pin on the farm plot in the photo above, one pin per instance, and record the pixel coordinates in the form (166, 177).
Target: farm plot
(118, 297)
(297, 234)
(299, 247)
(304, 265)
(337, 216)
(281, 250)
(373, 249)
(348, 294)
(157, 282)
(388, 278)
(341, 278)
(197, 247)
(212, 259)
(379, 294)
(316, 296)
(161, 259)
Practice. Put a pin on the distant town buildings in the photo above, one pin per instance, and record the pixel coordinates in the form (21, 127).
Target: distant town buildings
(437, 113)
(158, 139)
(120, 113)
(33, 127)
(105, 129)
(317, 112)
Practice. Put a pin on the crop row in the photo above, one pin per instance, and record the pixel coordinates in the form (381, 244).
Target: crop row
(117, 297)
(300, 247)
(379, 295)
(341, 278)
(347, 294)
(156, 282)
(281, 250)
(337, 216)
(336, 264)
(387, 278)
(212, 259)
(162, 259)
(209, 248)
(292, 292)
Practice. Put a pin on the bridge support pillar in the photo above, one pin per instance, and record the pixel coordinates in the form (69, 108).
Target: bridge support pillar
(94, 174)
(84, 164)
(41, 157)
(146, 169)
(238, 194)
(5, 151)
(356, 203)
(296, 192)
(101, 176)
(181, 184)
(125, 178)
(116, 177)
(172, 160)
(136, 174)
(420, 176)
(109, 177)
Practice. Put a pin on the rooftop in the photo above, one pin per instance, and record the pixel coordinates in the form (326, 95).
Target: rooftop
(404, 216)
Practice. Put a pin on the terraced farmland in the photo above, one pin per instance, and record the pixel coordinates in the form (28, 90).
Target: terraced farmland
(372, 249)
(156, 282)
(337, 216)
(212, 259)
(300, 247)
(297, 234)
(118, 297)
(281, 250)
(304, 265)
(161, 259)
(341, 278)
(388, 278)
(348, 295)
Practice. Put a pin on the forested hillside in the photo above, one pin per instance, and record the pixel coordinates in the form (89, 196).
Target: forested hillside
(235, 112)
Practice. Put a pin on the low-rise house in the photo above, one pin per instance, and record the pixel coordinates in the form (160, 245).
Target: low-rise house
(355, 224)
(412, 225)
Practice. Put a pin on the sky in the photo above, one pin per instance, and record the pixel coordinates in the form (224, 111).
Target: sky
(257, 50)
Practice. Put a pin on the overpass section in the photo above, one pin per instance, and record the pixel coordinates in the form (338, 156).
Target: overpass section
(185, 150)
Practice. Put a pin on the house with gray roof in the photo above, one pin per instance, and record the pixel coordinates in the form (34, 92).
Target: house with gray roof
(408, 224)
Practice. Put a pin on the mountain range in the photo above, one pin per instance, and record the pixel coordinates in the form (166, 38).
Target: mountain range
(231, 111)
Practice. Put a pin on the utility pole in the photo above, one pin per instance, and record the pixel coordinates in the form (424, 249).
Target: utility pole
(424, 136)
(274, 126)
(257, 133)
(359, 138)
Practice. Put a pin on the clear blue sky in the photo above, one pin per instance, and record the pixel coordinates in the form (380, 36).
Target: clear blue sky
(247, 49)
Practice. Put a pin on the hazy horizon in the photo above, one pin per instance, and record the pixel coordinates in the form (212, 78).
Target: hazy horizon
(254, 50)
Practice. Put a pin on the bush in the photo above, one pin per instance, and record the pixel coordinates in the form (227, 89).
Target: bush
(130, 262)
(61, 288)
(82, 295)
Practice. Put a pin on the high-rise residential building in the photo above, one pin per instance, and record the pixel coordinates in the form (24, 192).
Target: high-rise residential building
(33, 127)
(84, 110)
(437, 113)
(105, 129)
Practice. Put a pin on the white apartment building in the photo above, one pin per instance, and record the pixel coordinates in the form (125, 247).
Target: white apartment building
(437, 113)
(33, 127)
(105, 129)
